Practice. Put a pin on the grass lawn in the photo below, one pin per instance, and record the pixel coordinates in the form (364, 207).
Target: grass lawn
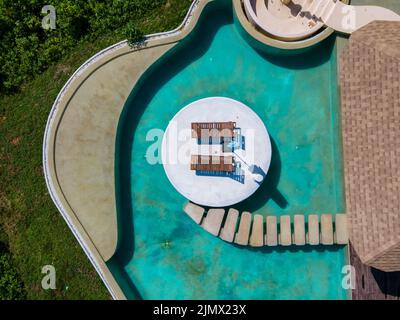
(30, 225)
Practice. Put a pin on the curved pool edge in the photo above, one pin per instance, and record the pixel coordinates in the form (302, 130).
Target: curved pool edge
(66, 116)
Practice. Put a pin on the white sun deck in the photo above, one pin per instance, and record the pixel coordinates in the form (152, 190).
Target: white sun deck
(251, 153)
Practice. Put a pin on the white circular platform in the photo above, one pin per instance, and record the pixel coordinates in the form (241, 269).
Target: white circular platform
(252, 154)
(283, 21)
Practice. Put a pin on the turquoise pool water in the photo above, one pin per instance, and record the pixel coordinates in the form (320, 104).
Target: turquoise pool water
(162, 254)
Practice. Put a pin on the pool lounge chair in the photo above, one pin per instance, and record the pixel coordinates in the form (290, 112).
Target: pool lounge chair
(228, 231)
(204, 131)
(212, 163)
(257, 232)
(242, 236)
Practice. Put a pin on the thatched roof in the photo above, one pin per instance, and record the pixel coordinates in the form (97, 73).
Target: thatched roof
(370, 89)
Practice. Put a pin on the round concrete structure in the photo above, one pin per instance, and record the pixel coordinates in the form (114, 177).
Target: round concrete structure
(283, 21)
(251, 151)
(264, 41)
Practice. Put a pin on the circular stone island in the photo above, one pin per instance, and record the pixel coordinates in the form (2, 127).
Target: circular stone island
(216, 152)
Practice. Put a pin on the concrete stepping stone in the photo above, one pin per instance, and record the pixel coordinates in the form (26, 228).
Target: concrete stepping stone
(299, 236)
(229, 228)
(271, 238)
(194, 211)
(341, 229)
(313, 230)
(257, 232)
(213, 221)
(326, 229)
(242, 236)
(285, 235)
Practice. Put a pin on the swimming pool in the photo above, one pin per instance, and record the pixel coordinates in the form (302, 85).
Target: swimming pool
(162, 254)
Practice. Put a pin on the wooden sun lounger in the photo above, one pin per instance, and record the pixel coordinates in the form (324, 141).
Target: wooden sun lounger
(229, 229)
(299, 236)
(326, 229)
(242, 236)
(214, 130)
(257, 232)
(341, 231)
(194, 211)
(271, 238)
(285, 234)
(213, 221)
(212, 163)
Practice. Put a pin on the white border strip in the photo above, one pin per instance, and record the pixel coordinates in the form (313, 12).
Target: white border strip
(50, 123)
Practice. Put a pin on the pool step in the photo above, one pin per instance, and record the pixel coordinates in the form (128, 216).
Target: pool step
(252, 230)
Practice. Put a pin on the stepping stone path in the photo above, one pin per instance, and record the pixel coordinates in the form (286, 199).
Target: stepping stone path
(256, 231)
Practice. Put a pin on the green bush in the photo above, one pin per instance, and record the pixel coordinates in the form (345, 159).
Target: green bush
(26, 49)
(134, 35)
(11, 287)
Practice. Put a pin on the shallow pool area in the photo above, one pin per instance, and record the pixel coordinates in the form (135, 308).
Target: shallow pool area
(162, 253)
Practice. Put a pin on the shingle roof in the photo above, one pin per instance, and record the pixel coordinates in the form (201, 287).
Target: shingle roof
(370, 91)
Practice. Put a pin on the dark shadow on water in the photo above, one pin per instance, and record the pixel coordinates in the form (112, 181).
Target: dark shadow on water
(292, 248)
(269, 188)
(313, 57)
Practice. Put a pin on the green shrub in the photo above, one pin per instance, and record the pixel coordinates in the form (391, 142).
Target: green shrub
(11, 287)
(26, 49)
(134, 35)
